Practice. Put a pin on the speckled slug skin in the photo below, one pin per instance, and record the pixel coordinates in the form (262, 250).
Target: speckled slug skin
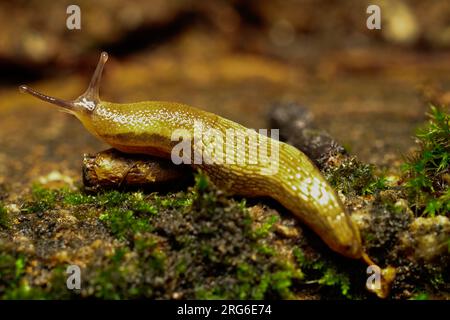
(147, 127)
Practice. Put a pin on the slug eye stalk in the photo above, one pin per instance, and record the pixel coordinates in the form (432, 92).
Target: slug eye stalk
(92, 92)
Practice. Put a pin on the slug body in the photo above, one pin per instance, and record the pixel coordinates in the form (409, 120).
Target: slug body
(147, 128)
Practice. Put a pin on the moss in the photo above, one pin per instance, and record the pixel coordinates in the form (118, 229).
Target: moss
(13, 284)
(110, 282)
(5, 222)
(256, 286)
(353, 177)
(76, 198)
(216, 252)
(42, 199)
(7, 270)
(124, 223)
(420, 296)
(252, 284)
(24, 291)
(324, 273)
(388, 220)
(266, 250)
(265, 228)
(179, 200)
(427, 171)
(129, 272)
(201, 182)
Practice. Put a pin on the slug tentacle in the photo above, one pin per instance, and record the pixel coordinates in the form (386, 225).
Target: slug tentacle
(67, 105)
(92, 92)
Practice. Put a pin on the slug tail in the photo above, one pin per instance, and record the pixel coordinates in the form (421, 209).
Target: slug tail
(67, 105)
(386, 277)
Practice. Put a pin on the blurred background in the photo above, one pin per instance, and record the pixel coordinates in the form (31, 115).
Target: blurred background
(368, 88)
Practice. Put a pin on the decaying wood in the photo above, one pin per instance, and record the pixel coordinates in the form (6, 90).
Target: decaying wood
(113, 169)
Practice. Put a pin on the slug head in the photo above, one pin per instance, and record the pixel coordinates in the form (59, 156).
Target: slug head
(84, 104)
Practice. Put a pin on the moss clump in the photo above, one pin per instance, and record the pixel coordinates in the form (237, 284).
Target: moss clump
(420, 296)
(325, 274)
(13, 285)
(266, 227)
(352, 177)
(42, 199)
(388, 221)
(4, 217)
(227, 245)
(427, 171)
(124, 223)
(129, 273)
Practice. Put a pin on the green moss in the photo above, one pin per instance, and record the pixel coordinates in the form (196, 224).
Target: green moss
(179, 200)
(324, 274)
(201, 182)
(110, 282)
(123, 213)
(76, 198)
(4, 217)
(378, 183)
(13, 285)
(124, 223)
(420, 296)
(266, 250)
(252, 284)
(427, 171)
(353, 177)
(266, 227)
(126, 275)
(24, 291)
(42, 199)
(7, 270)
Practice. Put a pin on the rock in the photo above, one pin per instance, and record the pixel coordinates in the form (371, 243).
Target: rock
(296, 125)
(427, 238)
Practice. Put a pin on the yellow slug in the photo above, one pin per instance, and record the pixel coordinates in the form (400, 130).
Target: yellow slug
(147, 128)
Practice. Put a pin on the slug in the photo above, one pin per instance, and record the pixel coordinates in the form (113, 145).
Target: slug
(147, 127)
